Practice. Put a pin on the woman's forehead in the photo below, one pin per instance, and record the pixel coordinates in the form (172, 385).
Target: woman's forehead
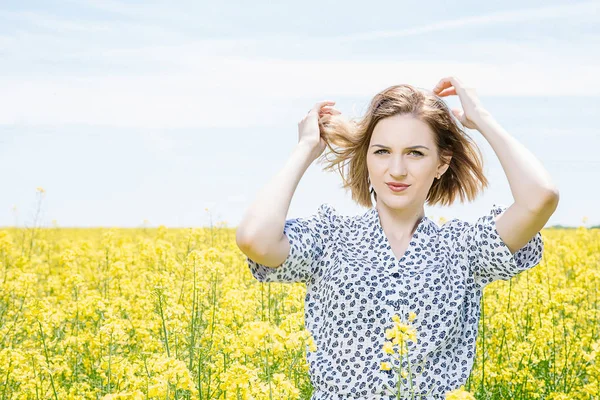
(402, 130)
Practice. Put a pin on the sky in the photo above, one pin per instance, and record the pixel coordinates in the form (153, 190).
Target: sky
(156, 113)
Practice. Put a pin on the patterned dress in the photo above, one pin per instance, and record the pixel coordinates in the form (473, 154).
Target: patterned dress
(355, 283)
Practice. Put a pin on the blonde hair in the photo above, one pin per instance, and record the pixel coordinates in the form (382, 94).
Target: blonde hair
(464, 177)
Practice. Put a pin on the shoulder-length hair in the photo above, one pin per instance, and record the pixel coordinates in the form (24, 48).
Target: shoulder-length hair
(464, 177)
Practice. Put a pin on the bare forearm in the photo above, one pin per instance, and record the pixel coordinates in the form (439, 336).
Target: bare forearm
(530, 183)
(263, 223)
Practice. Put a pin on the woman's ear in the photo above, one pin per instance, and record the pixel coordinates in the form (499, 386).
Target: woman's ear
(444, 164)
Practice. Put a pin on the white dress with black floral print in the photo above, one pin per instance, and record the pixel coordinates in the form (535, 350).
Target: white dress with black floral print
(355, 283)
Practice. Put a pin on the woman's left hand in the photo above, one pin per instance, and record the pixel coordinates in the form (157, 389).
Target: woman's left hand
(474, 112)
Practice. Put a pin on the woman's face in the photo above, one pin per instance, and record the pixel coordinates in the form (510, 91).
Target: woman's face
(407, 154)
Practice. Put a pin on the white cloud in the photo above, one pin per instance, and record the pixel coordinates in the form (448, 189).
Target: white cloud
(537, 14)
(242, 93)
(197, 87)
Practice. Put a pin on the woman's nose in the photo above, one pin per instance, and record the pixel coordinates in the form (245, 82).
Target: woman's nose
(397, 167)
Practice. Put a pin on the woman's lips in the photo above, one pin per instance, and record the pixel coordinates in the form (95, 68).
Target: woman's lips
(395, 188)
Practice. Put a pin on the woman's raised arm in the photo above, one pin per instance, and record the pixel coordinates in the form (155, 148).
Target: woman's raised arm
(535, 195)
(260, 233)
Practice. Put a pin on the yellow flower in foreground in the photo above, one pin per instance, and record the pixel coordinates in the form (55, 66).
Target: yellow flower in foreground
(388, 348)
(40, 189)
(411, 316)
(386, 366)
(403, 332)
(459, 394)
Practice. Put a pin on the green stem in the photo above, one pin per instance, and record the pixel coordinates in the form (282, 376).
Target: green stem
(47, 360)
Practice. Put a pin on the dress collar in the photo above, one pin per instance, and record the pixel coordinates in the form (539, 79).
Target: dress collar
(381, 245)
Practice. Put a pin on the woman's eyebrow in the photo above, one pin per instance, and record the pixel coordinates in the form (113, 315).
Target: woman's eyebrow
(410, 148)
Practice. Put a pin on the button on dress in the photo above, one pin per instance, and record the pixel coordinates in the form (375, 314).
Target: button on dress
(355, 283)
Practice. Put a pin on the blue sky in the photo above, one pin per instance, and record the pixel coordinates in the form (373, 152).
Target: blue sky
(133, 111)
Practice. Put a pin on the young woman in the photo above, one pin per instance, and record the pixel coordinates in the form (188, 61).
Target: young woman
(406, 150)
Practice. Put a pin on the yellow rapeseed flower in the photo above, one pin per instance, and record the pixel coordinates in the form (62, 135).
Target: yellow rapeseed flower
(386, 366)
(388, 348)
(459, 394)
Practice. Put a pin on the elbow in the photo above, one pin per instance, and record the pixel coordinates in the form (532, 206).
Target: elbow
(241, 240)
(553, 197)
(548, 201)
(248, 244)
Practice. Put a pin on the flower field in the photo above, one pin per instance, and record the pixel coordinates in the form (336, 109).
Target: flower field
(175, 314)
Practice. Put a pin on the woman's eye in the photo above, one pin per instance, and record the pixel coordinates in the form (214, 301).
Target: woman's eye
(414, 151)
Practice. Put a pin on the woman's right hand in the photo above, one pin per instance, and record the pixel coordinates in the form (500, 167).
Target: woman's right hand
(309, 132)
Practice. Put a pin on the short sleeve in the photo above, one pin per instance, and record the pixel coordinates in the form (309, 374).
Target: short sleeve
(308, 238)
(489, 257)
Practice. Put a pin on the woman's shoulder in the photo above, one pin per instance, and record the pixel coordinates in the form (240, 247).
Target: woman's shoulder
(451, 231)
(328, 214)
(338, 220)
(463, 230)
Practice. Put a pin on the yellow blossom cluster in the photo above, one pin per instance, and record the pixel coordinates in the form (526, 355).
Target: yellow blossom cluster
(541, 327)
(459, 394)
(146, 313)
